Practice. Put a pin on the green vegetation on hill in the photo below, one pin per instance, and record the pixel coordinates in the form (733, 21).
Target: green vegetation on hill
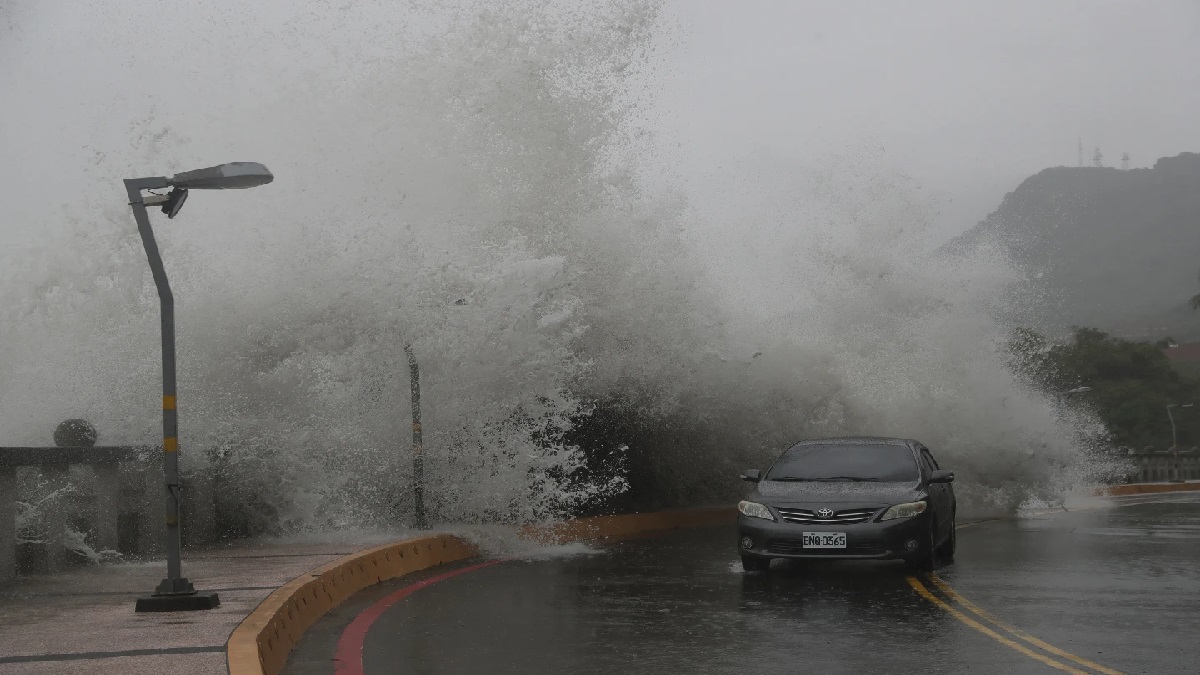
(1131, 384)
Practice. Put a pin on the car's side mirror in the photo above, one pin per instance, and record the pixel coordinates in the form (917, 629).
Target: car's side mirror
(752, 475)
(942, 476)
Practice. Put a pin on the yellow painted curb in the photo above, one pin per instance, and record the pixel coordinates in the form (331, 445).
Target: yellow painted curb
(613, 527)
(260, 645)
(1145, 489)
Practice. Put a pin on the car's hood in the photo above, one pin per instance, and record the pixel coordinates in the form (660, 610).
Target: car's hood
(789, 493)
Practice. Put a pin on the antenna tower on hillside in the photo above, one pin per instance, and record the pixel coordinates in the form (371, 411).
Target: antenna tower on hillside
(1081, 151)
(1097, 158)
(1125, 161)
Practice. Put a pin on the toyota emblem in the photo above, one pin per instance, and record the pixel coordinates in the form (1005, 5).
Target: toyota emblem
(824, 513)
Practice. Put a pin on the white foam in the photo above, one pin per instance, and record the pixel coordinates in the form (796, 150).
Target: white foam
(498, 156)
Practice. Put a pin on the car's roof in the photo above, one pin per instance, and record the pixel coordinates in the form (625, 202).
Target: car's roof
(861, 440)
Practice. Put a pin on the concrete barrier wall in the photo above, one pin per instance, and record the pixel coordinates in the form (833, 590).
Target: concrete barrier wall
(615, 527)
(1146, 489)
(95, 488)
(116, 496)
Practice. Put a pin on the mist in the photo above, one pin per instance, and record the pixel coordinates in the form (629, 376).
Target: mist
(497, 187)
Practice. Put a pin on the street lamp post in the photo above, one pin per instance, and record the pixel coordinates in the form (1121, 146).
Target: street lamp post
(420, 515)
(420, 521)
(175, 592)
(1175, 438)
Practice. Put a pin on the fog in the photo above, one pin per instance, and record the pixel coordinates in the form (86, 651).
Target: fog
(715, 221)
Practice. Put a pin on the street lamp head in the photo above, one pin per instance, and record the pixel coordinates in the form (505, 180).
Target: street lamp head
(174, 201)
(231, 176)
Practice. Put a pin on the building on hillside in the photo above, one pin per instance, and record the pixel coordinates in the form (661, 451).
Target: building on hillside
(1139, 331)
(1185, 357)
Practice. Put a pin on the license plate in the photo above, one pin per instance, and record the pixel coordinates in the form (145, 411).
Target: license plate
(824, 539)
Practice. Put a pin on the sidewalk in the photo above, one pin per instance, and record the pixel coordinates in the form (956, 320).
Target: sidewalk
(82, 621)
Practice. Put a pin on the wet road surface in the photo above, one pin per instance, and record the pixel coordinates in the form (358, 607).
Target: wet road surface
(1102, 590)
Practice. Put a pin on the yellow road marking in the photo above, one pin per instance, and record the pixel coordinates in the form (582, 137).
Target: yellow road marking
(924, 592)
(1017, 632)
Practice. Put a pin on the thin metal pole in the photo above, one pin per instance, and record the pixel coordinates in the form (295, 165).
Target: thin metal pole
(174, 583)
(1174, 444)
(419, 518)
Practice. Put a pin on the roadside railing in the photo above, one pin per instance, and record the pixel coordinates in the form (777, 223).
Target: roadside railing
(110, 493)
(76, 502)
(1155, 466)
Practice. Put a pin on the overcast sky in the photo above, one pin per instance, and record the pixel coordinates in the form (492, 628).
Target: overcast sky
(968, 97)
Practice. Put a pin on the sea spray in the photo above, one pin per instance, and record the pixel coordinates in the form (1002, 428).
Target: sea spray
(472, 180)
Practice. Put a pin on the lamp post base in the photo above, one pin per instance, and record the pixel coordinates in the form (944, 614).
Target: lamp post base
(177, 603)
(176, 595)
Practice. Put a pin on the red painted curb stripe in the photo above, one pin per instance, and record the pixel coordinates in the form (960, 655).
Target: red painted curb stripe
(347, 659)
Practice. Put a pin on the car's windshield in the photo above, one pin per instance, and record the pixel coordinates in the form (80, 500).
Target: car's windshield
(850, 463)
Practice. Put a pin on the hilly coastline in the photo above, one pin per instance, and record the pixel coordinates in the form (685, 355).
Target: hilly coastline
(1102, 247)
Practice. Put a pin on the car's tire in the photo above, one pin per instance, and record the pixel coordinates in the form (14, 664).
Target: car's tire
(753, 563)
(946, 550)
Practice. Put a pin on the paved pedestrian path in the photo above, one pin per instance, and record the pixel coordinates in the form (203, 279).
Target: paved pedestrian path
(82, 620)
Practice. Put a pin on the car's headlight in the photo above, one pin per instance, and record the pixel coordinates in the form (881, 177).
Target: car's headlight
(755, 510)
(908, 510)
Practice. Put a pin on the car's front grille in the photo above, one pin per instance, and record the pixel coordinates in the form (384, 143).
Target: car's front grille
(807, 517)
(796, 546)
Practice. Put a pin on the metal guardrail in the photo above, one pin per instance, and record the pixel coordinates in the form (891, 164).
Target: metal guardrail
(122, 488)
(97, 455)
(1159, 465)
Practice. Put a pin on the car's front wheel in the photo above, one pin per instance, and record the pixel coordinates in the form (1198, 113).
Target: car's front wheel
(753, 563)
